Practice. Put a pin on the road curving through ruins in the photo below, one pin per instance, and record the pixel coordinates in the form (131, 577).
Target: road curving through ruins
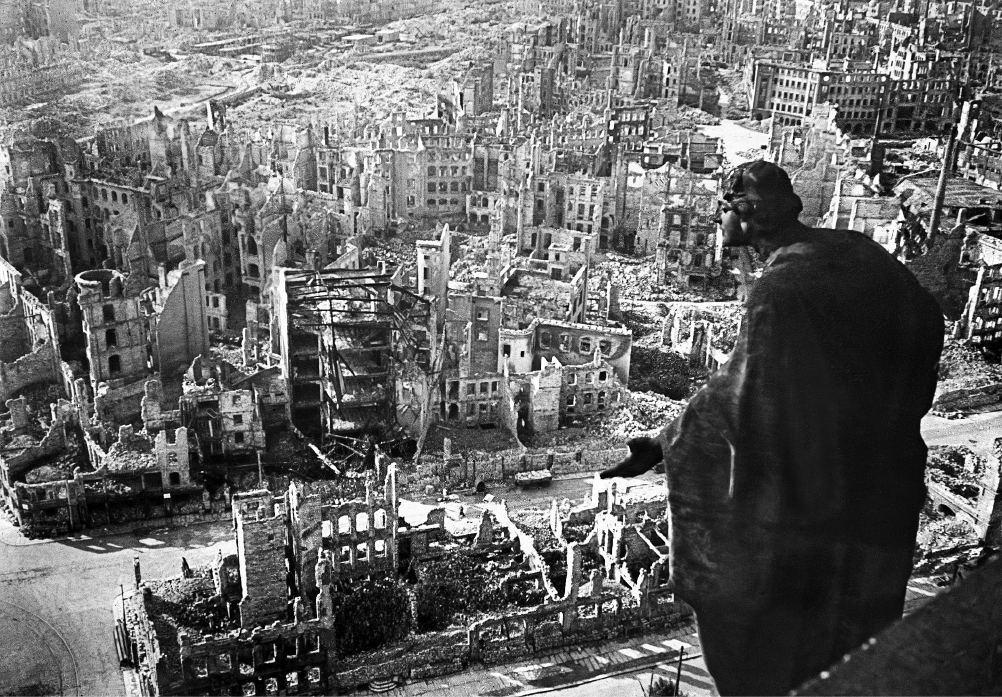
(32, 638)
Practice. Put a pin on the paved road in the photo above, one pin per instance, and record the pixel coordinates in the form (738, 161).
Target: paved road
(56, 597)
(696, 682)
(977, 431)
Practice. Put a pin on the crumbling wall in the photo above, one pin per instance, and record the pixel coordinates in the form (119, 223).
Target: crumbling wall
(586, 460)
(242, 428)
(519, 634)
(294, 656)
(576, 344)
(589, 389)
(474, 400)
(31, 369)
(610, 497)
(990, 504)
(417, 658)
(260, 525)
(573, 622)
(544, 397)
(120, 404)
(13, 327)
(182, 326)
(172, 458)
(17, 461)
(359, 536)
(472, 466)
(984, 306)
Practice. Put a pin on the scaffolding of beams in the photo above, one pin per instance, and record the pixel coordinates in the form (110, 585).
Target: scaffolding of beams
(348, 330)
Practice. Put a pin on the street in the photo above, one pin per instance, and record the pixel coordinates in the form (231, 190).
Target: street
(976, 431)
(696, 682)
(56, 598)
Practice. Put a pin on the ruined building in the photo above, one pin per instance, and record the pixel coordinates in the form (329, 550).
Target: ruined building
(272, 617)
(342, 335)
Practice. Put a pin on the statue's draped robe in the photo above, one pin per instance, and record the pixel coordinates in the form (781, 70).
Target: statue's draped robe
(795, 475)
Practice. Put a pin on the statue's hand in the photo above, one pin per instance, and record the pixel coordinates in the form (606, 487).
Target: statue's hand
(645, 452)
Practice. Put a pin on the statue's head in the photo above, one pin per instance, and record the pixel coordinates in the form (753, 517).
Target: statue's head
(761, 196)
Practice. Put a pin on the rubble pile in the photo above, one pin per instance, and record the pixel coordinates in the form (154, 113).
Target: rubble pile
(653, 369)
(464, 440)
(957, 468)
(637, 280)
(725, 334)
(645, 322)
(132, 451)
(472, 261)
(123, 85)
(642, 414)
(536, 522)
(635, 277)
(943, 543)
(187, 604)
(689, 117)
(576, 532)
(962, 366)
(39, 400)
(62, 465)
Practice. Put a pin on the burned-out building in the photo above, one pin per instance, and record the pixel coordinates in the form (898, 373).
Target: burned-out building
(267, 613)
(133, 334)
(341, 333)
(689, 245)
(275, 616)
(244, 634)
(224, 414)
(983, 316)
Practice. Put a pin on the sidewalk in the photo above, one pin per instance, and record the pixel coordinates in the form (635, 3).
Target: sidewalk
(560, 669)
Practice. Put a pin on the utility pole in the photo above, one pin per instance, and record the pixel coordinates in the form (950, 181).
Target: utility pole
(678, 673)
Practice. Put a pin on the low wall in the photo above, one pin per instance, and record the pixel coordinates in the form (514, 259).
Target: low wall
(587, 620)
(477, 466)
(515, 636)
(586, 461)
(417, 658)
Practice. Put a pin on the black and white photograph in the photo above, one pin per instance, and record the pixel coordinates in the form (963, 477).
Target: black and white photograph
(500, 348)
